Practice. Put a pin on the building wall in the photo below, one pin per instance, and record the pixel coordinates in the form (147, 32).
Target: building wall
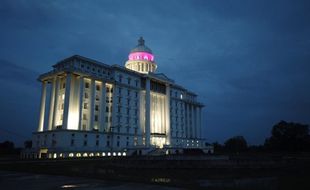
(105, 108)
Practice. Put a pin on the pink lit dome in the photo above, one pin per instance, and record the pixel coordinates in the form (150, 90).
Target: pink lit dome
(141, 52)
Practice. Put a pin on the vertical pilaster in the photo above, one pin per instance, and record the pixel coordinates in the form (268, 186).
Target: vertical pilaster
(42, 107)
(168, 126)
(67, 101)
(81, 97)
(200, 123)
(56, 102)
(193, 122)
(187, 121)
(147, 112)
(92, 104)
(52, 102)
(102, 106)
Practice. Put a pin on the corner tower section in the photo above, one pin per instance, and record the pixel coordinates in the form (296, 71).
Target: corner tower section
(141, 59)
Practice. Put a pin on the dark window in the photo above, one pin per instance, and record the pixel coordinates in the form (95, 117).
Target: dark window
(85, 143)
(97, 87)
(86, 85)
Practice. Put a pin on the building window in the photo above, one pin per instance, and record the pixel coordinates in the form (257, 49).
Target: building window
(137, 82)
(63, 85)
(72, 142)
(108, 143)
(128, 81)
(117, 143)
(84, 116)
(97, 107)
(127, 111)
(136, 94)
(97, 87)
(107, 109)
(97, 97)
(86, 85)
(85, 106)
(119, 91)
(119, 109)
(86, 95)
(85, 143)
(97, 142)
(96, 117)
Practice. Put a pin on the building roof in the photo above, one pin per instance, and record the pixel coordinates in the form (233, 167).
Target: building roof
(141, 47)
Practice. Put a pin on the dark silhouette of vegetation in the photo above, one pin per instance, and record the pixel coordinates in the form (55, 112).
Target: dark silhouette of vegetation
(285, 137)
(28, 144)
(290, 136)
(7, 147)
(236, 144)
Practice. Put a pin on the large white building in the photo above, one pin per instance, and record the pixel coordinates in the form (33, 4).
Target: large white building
(89, 108)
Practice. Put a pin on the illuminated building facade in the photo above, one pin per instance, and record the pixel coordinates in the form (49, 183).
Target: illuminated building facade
(89, 108)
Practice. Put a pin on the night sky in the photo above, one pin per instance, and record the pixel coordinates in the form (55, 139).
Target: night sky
(249, 61)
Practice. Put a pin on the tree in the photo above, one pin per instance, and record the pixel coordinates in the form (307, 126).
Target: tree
(236, 144)
(289, 137)
(6, 147)
(28, 144)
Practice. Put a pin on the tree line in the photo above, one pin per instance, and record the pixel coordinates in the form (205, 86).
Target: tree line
(285, 137)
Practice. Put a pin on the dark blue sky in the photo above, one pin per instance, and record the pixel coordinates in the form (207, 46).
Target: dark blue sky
(249, 61)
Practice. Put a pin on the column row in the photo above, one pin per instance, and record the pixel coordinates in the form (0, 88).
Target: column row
(75, 103)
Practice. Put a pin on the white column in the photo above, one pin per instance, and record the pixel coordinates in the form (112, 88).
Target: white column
(168, 126)
(42, 107)
(92, 105)
(193, 121)
(52, 102)
(147, 112)
(102, 106)
(197, 122)
(187, 121)
(200, 123)
(81, 97)
(67, 101)
(56, 103)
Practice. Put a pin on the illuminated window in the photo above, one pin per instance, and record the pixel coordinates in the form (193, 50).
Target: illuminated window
(119, 154)
(85, 154)
(54, 155)
(103, 154)
(71, 155)
(78, 154)
(91, 154)
(109, 153)
(114, 153)
(85, 105)
(124, 153)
